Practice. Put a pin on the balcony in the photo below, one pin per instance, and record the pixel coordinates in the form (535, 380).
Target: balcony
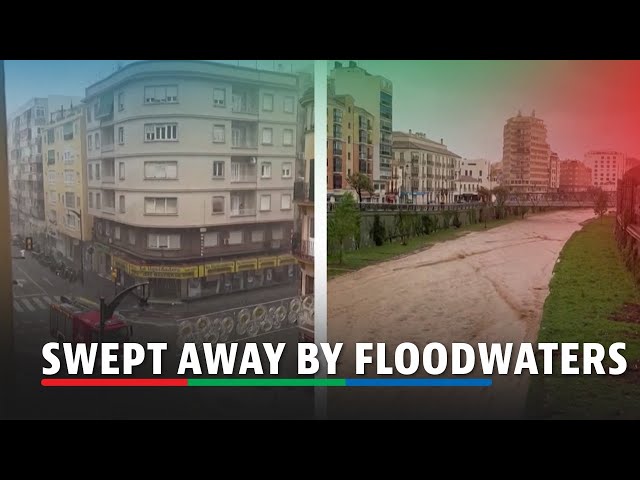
(109, 209)
(303, 192)
(242, 212)
(244, 101)
(303, 249)
(106, 148)
(243, 170)
(244, 134)
(108, 179)
(243, 204)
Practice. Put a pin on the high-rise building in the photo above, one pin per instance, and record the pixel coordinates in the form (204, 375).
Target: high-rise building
(525, 155)
(607, 167)
(426, 169)
(575, 176)
(374, 94)
(349, 135)
(630, 163)
(25, 163)
(303, 237)
(190, 176)
(68, 223)
(554, 172)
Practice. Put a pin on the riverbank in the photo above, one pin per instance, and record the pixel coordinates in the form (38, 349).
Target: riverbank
(586, 303)
(371, 255)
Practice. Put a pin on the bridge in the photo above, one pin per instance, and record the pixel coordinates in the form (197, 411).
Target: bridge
(530, 200)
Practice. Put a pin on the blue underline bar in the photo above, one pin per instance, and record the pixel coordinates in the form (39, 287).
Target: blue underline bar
(418, 382)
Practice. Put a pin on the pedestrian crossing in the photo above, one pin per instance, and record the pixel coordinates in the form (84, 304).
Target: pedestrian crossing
(35, 303)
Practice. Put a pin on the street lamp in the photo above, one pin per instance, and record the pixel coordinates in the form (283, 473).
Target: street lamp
(79, 214)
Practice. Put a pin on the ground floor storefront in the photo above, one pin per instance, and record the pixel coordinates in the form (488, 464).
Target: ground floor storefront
(189, 281)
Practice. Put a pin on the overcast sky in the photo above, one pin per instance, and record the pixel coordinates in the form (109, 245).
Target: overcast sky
(585, 104)
(25, 79)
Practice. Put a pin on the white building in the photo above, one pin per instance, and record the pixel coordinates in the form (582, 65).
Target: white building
(190, 174)
(607, 167)
(470, 176)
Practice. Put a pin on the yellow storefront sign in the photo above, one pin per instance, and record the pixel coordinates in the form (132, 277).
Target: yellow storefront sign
(163, 271)
(286, 260)
(267, 262)
(249, 264)
(219, 268)
(121, 263)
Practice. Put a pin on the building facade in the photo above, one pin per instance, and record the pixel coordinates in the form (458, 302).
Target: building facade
(68, 222)
(554, 172)
(349, 136)
(374, 94)
(470, 176)
(575, 176)
(607, 167)
(303, 192)
(525, 156)
(26, 188)
(190, 168)
(426, 169)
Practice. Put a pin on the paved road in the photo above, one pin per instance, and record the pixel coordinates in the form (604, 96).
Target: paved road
(38, 287)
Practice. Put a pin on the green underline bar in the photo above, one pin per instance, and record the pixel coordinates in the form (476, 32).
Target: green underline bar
(266, 382)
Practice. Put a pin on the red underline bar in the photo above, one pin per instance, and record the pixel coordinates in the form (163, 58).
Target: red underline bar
(113, 382)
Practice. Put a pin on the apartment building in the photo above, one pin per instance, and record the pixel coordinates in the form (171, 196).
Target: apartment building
(303, 197)
(190, 168)
(26, 188)
(607, 167)
(526, 153)
(470, 176)
(426, 169)
(554, 172)
(349, 136)
(68, 222)
(575, 176)
(374, 94)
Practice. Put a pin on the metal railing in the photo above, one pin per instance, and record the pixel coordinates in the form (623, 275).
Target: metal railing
(302, 192)
(411, 207)
(242, 212)
(302, 247)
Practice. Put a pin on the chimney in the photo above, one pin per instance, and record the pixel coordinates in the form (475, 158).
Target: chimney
(338, 65)
(442, 141)
(352, 64)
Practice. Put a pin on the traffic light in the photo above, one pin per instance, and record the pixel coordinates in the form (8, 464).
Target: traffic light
(28, 243)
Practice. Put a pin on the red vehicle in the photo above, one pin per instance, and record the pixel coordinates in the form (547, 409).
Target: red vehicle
(78, 321)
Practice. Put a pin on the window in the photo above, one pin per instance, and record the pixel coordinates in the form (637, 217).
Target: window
(90, 142)
(121, 101)
(51, 157)
(257, 236)
(218, 134)
(97, 140)
(89, 115)
(163, 241)
(67, 157)
(72, 221)
(265, 203)
(267, 136)
(69, 177)
(98, 201)
(218, 169)
(265, 170)
(161, 132)
(219, 97)
(107, 229)
(276, 233)
(132, 237)
(161, 206)
(285, 201)
(287, 137)
(211, 239)
(218, 205)
(161, 94)
(235, 237)
(51, 174)
(311, 227)
(288, 104)
(480, 173)
(53, 197)
(90, 199)
(122, 207)
(349, 139)
(121, 170)
(70, 200)
(67, 131)
(51, 136)
(116, 233)
(267, 102)
(286, 170)
(97, 171)
(90, 171)
(160, 170)
(121, 135)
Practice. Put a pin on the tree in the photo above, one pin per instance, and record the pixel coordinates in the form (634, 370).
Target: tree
(378, 231)
(344, 224)
(501, 193)
(601, 203)
(360, 183)
(485, 198)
